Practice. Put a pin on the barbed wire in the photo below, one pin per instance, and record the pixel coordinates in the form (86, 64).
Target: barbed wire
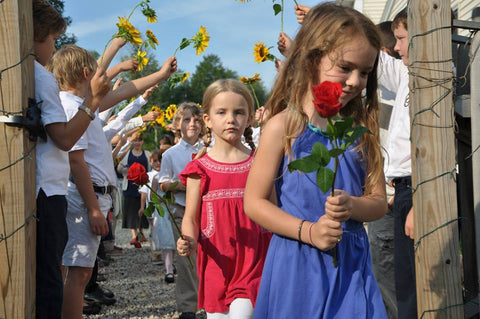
(26, 155)
(25, 223)
(441, 82)
(2, 109)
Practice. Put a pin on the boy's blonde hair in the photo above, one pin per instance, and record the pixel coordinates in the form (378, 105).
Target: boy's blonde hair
(326, 28)
(46, 21)
(68, 65)
(227, 85)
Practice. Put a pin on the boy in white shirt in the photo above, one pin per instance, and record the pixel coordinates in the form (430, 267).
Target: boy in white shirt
(52, 167)
(174, 160)
(91, 167)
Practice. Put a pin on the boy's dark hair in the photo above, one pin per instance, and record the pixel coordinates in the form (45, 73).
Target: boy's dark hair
(167, 138)
(400, 19)
(46, 21)
(388, 38)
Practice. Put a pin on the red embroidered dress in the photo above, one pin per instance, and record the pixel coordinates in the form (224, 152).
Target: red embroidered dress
(231, 247)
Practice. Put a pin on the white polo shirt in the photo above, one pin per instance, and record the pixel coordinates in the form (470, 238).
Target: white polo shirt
(174, 161)
(98, 155)
(123, 117)
(52, 163)
(393, 76)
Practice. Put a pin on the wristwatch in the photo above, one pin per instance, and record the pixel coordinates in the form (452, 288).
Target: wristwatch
(87, 110)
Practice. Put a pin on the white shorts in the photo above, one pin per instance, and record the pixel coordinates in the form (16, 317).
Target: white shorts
(82, 245)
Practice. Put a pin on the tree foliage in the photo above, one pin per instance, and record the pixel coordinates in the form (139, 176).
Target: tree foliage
(207, 71)
(66, 38)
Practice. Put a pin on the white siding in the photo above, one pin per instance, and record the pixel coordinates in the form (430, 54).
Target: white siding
(374, 9)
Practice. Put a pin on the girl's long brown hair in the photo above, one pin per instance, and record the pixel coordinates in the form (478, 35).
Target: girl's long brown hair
(326, 28)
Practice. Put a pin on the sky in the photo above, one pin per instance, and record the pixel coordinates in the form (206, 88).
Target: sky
(234, 28)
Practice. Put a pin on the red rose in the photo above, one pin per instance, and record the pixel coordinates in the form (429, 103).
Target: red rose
(326, 95)
(137, 174)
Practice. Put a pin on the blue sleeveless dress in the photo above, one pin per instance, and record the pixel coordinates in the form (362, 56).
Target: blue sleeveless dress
(300, 281)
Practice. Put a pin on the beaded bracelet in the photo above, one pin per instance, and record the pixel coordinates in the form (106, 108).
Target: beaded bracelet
(300, 230)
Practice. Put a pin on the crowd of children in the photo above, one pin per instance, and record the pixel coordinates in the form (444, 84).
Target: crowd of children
(261, 238)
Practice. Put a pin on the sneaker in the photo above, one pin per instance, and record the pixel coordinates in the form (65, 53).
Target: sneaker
(169, 278)
(91, 309)
(99, 297)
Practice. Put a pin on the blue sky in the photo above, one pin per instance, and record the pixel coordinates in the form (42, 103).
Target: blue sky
(234, 27)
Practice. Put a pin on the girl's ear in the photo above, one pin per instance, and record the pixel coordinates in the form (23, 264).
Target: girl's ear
(206, 119)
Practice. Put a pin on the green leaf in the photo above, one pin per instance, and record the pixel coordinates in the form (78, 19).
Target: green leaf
(324, 179)
(277, 8)
(321, 154)
(307, 164)
(343, 125)
(155, 198)
(270, 57)
(149, 211)
(336, 152)
(331, 131)
(185, 43)
(357, 132)
(160, 210)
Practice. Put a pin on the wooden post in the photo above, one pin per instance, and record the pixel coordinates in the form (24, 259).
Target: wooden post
(438, 272)
(17, 165)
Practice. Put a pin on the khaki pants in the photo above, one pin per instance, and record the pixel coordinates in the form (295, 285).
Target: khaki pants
(186, 288)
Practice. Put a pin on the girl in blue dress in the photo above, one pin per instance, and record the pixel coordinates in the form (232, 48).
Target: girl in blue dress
(299, 279)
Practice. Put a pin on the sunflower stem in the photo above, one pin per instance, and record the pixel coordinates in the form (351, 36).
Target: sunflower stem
(133, 10)
(254, 95)
(283, 9)
(105, 48)
(296, 3)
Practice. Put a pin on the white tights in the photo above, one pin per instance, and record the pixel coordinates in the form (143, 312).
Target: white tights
(167, 255)
(240, 308)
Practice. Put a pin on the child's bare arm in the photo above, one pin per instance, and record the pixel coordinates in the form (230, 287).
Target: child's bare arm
(188, 246)
(83, 181)
(301, 12)
(127, 65)
(143, 202)
(137, 86)
(107, 57)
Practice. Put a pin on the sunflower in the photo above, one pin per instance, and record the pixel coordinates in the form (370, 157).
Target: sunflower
(170, 112)
(151, 37)
(200, 40)
(150, 14)
(185, 76)
(128, 32)
(252, 80)
(199, 105)
(161, 119)
(156, 109)
(142, 60)
(262, 53)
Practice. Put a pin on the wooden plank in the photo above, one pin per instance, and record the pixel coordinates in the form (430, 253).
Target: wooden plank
(17, 182)
(438, 272)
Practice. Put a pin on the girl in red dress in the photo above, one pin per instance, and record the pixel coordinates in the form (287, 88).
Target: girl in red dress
(231, 248)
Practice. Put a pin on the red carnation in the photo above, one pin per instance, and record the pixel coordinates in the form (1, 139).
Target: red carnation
(326, 96)
(137, 174)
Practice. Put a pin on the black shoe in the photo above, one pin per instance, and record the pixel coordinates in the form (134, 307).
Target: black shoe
(187, 315)
(101, 278)
(99, 297)
(169, 278)
(91, 309)
(105, 292)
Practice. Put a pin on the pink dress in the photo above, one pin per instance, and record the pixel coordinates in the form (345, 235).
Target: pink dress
(231, 247)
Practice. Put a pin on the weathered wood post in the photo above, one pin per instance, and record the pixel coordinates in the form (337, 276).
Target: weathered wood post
(438, 271)
(17, 164)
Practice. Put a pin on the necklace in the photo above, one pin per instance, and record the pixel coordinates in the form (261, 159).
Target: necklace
(316, 129)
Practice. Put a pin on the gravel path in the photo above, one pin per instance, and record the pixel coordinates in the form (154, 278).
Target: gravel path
(138, 285)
